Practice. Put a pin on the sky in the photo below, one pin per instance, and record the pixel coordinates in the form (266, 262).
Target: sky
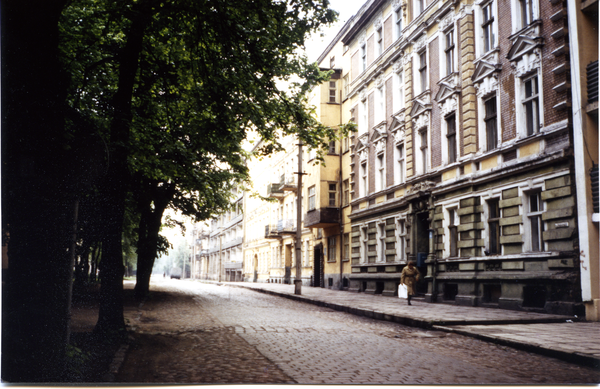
(346, 8)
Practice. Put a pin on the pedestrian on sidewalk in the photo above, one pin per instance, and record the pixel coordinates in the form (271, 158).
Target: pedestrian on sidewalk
(409, 277)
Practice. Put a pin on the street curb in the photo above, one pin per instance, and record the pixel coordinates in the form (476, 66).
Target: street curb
(443, 326)
(575, 358)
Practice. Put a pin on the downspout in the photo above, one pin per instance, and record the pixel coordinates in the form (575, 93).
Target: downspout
(341, 209)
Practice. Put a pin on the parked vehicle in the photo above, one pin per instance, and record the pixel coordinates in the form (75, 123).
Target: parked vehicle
(176, 272)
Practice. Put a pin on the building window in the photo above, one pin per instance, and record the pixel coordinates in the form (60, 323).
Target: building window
(449, 52)
(332, 195)
(398, 21)
(379, 41)
(526, 12)
(363, 57)
(379, 105)
(332, 92)
(491, 125)
(362, 187)
(494, 226)
(399, 173)
(311, 198)
(332, 147)
(489, 39)
(451, 137)
(536, 225)
(331, 248)
(346, 85)
(346, 143)
(418, 7)
(424, 150)
(362, 124)
(346, 185)
(364, 235)
(380, 177)
(332, 62)
(381, 242)
(346, 247)
(401, 239)
(453, 232)
(423, 70)
(399, 91)
(531, 105)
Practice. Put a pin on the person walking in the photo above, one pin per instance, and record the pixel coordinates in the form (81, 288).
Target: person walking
(409, 277)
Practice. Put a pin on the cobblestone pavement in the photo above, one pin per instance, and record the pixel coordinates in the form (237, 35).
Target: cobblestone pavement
(219, 334)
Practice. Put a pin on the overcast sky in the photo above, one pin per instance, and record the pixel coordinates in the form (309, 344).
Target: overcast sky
(346, 9)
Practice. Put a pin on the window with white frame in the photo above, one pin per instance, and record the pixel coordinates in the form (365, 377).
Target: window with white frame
(346, 247)
(381, 242)
(453, 222)
(424, 151)
(399, 91)
(332, 149)
(379, 36)
(363, 57)
(331, 249)
(526, 12)
(491, 123)
(311, 198)
(362, 186)
(379, 105)
(530, 104)
(332, 195)
(380, 172)
(423, 70)
(535, 208)
(362, 118)
(449, 51)
(487, 26)
(493, 230)
(451, 137)
(346, 85)
(331, 62)
(332, 92)
(364, 243)
(399, 167)
(400, 239)
(418, 6)
(398, 23)
(346, 186)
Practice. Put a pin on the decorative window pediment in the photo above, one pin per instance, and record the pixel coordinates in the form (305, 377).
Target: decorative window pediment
(378, 133)
(483, 70)
(362, 142)
(446, 90)
(419, 108)
(523, 45)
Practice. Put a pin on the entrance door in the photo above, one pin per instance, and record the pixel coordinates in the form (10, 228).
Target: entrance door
(422, 244)
(317, 265)
(288, 264)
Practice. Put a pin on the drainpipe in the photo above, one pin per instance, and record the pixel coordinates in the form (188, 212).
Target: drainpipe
(341, 211)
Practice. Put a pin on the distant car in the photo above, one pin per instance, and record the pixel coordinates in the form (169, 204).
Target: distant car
(176, 272)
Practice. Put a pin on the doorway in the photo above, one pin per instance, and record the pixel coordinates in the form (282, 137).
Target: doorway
(422, 249)
(317, 266)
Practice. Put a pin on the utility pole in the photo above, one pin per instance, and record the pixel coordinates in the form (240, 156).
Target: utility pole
(298, 279)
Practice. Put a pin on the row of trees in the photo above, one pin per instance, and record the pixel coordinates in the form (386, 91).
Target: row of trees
(114, 111)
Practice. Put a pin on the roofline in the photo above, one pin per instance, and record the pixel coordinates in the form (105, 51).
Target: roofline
(364, 15)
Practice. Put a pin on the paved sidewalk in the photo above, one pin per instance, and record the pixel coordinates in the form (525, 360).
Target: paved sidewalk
(558, 336)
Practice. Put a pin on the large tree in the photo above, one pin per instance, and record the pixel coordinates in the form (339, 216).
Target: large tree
(149, 86)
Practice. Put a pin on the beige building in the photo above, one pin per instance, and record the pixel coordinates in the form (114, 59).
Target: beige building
(583, 43)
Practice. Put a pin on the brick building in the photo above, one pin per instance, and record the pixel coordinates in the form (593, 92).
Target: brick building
(463, 158)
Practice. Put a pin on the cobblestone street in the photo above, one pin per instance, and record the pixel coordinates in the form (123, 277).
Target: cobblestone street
(190, 332)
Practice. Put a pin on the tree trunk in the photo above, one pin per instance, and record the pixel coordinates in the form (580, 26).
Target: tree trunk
(149, 229)
(37, 195)
(114, 190)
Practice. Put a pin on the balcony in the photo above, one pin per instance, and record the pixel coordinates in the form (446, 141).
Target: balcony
(322, 218)
(286, 226)
(289, 183)
(271, 232)
(275, 191)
